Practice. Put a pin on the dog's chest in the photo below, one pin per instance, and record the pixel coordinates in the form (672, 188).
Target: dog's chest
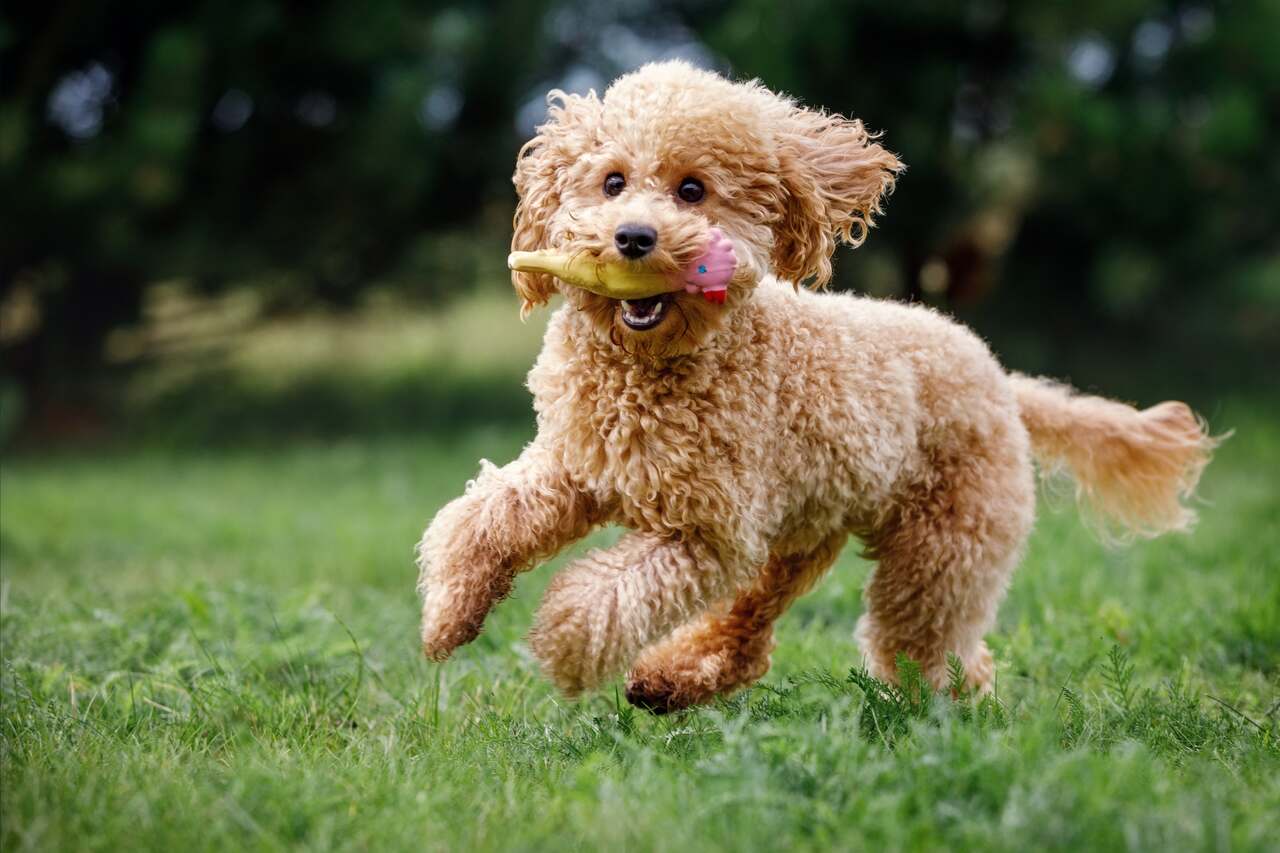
(659, 447)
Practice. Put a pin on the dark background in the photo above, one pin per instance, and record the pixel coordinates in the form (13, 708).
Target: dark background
(1095, 186)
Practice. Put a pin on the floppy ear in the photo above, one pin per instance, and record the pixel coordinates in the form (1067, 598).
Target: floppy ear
(833, 177)
(539, 177)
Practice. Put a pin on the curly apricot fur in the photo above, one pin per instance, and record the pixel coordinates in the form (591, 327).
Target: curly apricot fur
(742, 444)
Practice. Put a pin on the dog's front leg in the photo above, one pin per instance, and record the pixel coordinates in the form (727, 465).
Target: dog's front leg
(601, 611)
(509, 518)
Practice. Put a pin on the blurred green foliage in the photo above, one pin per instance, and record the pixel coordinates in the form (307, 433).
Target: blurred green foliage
(1110, 168)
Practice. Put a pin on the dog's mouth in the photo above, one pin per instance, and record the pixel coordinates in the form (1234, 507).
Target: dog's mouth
(643, 314)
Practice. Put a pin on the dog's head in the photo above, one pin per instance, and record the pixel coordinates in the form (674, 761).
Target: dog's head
(643, 173)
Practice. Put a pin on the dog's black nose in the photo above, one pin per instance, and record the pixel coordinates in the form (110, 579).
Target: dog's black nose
(635, 241)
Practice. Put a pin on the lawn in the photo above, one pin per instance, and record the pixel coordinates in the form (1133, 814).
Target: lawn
(213, 645)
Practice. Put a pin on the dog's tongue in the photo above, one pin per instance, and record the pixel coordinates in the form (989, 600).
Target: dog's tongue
(710, 272)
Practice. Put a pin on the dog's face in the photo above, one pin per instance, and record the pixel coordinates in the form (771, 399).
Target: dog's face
(641, 176)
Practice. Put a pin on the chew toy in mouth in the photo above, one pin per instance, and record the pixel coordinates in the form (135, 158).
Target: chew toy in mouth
(708, 274)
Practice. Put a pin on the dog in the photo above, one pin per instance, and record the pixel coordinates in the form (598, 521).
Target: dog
(742, 444)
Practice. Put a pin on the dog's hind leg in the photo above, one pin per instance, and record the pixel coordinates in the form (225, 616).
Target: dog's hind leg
(728, 647)
(945, 558)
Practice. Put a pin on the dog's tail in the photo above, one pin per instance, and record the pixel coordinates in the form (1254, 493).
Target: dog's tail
(1132, 467)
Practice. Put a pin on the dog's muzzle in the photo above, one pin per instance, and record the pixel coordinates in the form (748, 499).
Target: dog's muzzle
(642, 314)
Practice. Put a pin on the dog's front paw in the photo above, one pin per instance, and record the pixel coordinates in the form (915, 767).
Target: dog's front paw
(461, 575)
(573, 636)
(453, 612)
(560, 640)
(563, 661)
(441, 636)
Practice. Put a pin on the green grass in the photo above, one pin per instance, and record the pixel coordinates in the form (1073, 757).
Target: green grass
(215, 647)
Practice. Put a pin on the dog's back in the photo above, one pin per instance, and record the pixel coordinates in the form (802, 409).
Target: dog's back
(911, 363)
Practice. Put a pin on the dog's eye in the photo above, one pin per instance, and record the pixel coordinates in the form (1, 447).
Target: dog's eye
(691, 190)
(614, 184)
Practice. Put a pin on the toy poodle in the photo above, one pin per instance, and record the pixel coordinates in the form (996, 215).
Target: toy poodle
(742, 440)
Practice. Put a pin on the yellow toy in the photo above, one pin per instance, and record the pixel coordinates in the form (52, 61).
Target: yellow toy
(709, 274)
(614, 280)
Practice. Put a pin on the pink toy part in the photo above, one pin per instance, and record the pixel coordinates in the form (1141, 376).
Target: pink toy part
(710, 272)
